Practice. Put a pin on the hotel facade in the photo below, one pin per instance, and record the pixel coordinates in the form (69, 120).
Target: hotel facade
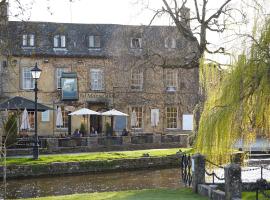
(150, 70)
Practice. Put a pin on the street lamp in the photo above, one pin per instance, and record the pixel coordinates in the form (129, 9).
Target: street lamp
(35, 75)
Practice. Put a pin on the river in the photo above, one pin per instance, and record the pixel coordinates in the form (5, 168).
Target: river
(93, 182)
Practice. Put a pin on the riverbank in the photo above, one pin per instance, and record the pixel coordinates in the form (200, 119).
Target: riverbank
(91, 162)
(157, 194)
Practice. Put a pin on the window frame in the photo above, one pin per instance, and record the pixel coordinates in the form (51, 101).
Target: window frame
(170, 43)
(31, 116)
(95, 38)
(136, 80)
(138, 41)
(28, 40)
(28, 78)
(171, 79)
(139, 114)
(59, 41)
(168, 121)
(45, 116)
(100, 86)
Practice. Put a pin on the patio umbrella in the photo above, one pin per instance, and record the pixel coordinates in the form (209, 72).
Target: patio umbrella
(111, 113)
(25, 124)
(83, 112)
(59, 117)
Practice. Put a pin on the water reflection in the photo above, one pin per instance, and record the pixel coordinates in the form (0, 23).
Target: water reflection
(143, 179)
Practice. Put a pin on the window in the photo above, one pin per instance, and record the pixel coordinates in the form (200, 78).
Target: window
(171, 117)
(170, 43)
(31, 115)
(27, 79)
(59, 41)
(45, 116)
(64, 116)
(59, 72)
(94, 41)
(136, 43)
(139, 116)
(170, 80)
(28, 40)
(188, 122)
(97, 79)
(137, 79)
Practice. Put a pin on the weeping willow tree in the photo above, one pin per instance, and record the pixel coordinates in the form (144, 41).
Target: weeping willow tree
(240, 107)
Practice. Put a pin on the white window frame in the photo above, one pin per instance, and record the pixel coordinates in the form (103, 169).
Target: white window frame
(167, 117)
(28, 40)
(97, 79)
(94, 41)
(170, 79)
(26, 74)
(59, 41)
(45, 116)
(58, 75)
(137, 79)
(136, 43)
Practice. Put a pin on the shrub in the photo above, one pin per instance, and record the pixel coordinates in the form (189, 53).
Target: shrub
(11, 129)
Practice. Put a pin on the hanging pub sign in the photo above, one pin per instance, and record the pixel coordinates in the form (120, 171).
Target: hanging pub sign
(69, 86)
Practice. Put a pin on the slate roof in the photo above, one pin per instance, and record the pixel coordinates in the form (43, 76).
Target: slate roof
(20, 103)
(115, 39)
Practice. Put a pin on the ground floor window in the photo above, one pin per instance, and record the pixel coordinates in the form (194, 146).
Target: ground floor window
(171, 117)
(138, 114)
(31, 115)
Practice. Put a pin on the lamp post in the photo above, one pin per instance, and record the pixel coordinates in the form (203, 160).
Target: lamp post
(35, 75)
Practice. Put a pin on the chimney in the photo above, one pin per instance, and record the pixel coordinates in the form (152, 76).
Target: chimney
(185, 15)
(3, 12)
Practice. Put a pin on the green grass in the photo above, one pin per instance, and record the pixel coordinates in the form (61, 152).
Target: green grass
(45, 159)
(252, 196)
(154, 194)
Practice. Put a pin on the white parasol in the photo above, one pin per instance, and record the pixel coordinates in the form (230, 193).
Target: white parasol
(25, 125)
(134, 122)
(59, 117)
(84, 111)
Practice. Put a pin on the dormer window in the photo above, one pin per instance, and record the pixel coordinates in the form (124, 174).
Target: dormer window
(59, 41)
(94, 42)
(136, 43)
(28, 40)
(170, 43)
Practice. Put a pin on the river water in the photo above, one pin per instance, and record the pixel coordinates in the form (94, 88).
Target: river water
(93, 182)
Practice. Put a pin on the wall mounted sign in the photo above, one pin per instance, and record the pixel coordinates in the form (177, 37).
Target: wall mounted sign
(69, 84)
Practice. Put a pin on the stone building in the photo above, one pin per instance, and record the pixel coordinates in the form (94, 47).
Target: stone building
(141, 69)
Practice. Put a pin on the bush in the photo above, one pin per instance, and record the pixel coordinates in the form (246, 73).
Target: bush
(83, 129)
(11, 129)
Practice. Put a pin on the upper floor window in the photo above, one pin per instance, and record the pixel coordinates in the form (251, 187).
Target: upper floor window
(59, 41)
(171, 117)
(170, 43)
(137, 79)
(27, 79)
(170, 80)
(28, 40)
(136, 43)
(94, 41)
(59, 72)
(97, 79)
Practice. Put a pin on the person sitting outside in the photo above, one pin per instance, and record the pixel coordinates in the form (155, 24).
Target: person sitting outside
(124, 132)
(77, 133)
(93, 132)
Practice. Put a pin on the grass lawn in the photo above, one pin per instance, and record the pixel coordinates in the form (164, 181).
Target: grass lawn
(44, 159)
(252, 196)
(154, 194)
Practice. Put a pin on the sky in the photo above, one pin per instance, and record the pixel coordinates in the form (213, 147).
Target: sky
(130, 12)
